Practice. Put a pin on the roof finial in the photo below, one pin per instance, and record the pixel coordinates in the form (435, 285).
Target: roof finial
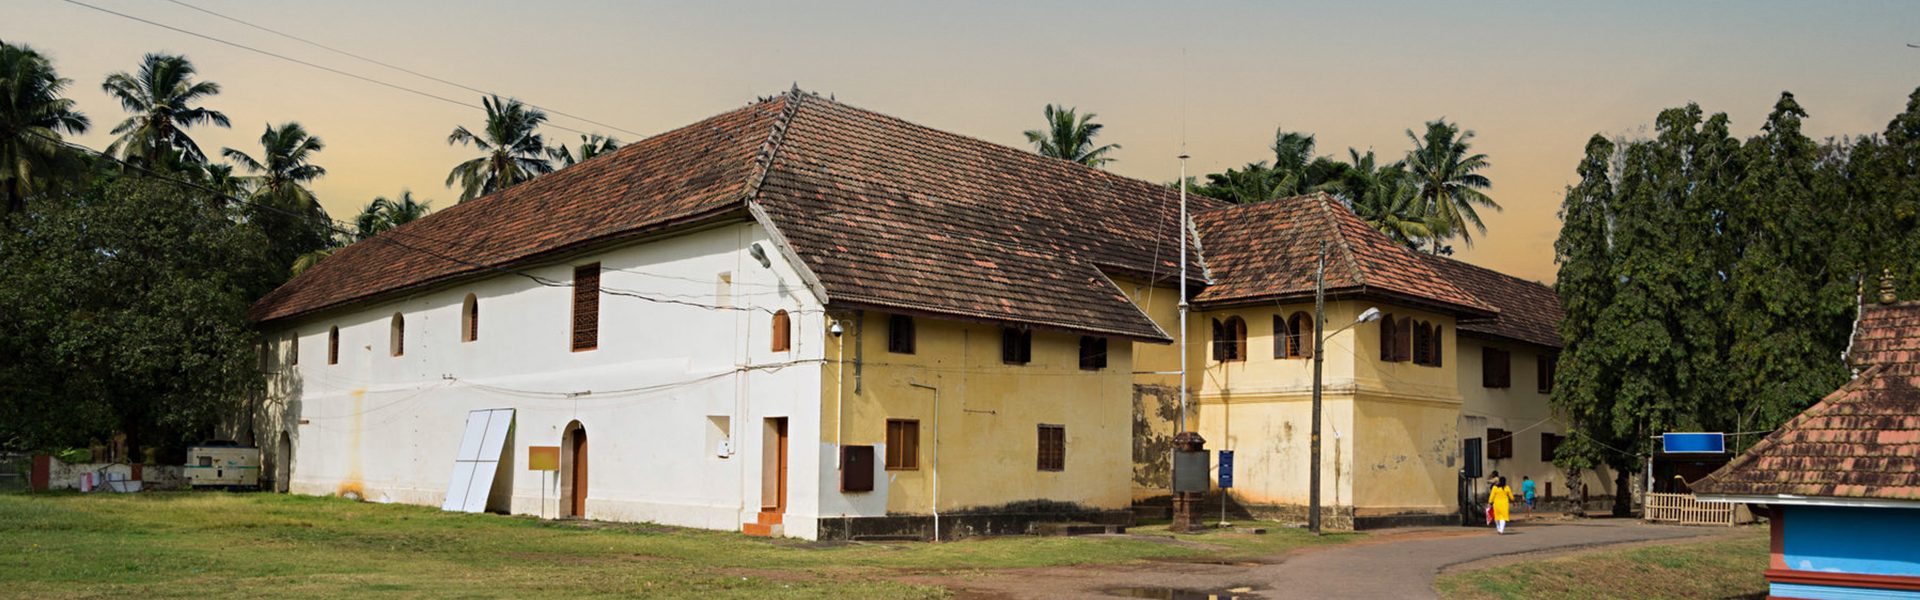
(1886, 287)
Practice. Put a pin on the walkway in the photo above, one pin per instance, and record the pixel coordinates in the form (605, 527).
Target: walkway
(1398, 564)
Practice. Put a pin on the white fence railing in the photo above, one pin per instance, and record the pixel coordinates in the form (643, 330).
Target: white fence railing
(1686, 510)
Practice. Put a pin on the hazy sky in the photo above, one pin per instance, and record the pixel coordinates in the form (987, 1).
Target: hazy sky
(1532, 79)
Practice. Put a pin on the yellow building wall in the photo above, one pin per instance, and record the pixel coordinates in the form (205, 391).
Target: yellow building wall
(1155, 399)
(1520, 408)
(1407, 456)
(988, 415)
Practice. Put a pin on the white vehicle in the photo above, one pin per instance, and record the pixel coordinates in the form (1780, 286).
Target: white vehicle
(223, 464)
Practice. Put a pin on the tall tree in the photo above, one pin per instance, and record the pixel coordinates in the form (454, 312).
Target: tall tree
(590, 146)
(1296, 169)
(163, 98)
(1585, 376)
(1384, 196)
(33, 115)
(281, 203)
(1451, 184)
(1069, 136)
(512, 150)
(375, 218)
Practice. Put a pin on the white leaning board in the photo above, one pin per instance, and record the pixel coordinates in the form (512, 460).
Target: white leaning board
(479, 459)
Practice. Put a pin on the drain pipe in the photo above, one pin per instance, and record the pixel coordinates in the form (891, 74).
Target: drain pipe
(936, 455)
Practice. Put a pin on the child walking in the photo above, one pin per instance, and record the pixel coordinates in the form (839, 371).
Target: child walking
(1526, 493)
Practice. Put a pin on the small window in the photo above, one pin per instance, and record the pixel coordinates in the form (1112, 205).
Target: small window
(1293, 338)
(1496, 368)
(1053, 448)
(1016, 346)
(397, 335)
(1230, 339)
(1426, 344)
(903, 444)
(1544, 365)
(293, 349)
(586, 307)
(1388, 335)
(782, 331)
(470, 319)
(900, 334)
(1396, 339)
(333, 345)
(1550, 446)
(1499, 443)
(1093, 353)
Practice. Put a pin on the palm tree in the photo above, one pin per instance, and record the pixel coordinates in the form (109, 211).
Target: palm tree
(590, 146)
(1296, 170)
(382, 214)
(1386, 197)
(161, 97)
(285, 167)
(1449, 181)
(1071, 138)
(513, 151)
(32, 117)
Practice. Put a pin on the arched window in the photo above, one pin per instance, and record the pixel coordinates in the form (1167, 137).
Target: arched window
(1298, 342)
(333, 345)
(397, 335)
(1230, 340)
(470, 319)
(782, 331)
(293, 349)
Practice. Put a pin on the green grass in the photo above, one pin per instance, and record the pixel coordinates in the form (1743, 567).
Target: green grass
(159, 545)
(1720, 568)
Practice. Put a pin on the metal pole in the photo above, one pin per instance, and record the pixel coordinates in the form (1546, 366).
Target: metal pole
(1182, 427)
(1319, 357)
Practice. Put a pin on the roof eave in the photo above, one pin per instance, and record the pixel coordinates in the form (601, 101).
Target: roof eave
(1798, 500)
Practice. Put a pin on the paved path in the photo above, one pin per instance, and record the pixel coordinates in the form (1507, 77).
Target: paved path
(1399, 564)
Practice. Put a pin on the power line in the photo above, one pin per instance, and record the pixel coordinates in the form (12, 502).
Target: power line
(399, 68)
(300, 62)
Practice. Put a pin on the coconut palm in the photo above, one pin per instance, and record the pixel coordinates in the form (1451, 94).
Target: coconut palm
(1386, 197)
(33, 115)
(162, 98)
(382, 214)
(1296, 170)
(512, 149)
(1070, 137)
(285, 167)
(1449, 181)
(590, 146)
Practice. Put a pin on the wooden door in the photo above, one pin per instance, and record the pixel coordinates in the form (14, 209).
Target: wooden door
(778, 504)
(579, 499)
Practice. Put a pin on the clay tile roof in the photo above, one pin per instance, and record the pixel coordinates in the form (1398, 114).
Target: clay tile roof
(1266, 252)
(1862, 441)
(1529, 310)
(888, 214)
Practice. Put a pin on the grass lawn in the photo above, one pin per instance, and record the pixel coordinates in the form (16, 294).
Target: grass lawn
(245, 545)
(1726, 567)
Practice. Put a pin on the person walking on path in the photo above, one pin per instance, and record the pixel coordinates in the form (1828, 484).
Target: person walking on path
(1501, 497)
(1526, 493)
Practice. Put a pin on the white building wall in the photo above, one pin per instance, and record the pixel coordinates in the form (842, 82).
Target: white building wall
(387, 427)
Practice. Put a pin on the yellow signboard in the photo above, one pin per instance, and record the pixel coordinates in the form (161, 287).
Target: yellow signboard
(543, 458)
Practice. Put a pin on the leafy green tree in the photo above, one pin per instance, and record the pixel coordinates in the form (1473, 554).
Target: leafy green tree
(126, 307)
(1069, 136)
(378, 216)
(281, 203)
(163, 98)
(590, 146)
(1451, 184)
(33, 115)
(512, 149)
(1585, 375)
(1295, 171)
(1384, 196)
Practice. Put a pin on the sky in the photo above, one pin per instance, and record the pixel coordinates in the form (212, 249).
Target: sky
(1532, 80)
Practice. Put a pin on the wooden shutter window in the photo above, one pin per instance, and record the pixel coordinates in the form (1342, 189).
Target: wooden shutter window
(1016, 346)
(586, 307)
(1093, 353)
(1496, 369)
(470, 319)
(782, 331)
(1422, 347)
(1550, 446)
(1499, 443)
(1439, 344)
(903, 444)
(900, 334)
(1053, 448)
(1230, 340)
(1403, 339)
(333, 345)
(1219, 340)
(1387, 337)
(1544, 365)
(293, 349)
(397, 335)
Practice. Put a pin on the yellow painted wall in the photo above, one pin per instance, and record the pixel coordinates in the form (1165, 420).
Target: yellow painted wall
(1520, 408)
(1406, 455)
(1155, 400)
(988, 415)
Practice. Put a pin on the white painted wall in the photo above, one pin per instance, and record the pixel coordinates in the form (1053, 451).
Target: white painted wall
(387, 427)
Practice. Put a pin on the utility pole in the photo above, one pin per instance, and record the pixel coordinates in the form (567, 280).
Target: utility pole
(1182, 426)
(1319, 358)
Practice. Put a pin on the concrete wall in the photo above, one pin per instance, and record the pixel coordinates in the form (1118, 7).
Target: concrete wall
(1521, 408)
(987, 419)
(386, 427)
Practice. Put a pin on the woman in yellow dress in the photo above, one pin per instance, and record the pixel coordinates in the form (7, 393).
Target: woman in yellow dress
(1500, 497)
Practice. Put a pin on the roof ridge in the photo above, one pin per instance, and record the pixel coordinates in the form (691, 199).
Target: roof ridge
(1340, 237)
(770, 149)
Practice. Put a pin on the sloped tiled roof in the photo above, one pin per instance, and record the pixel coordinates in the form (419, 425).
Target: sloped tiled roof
(1861, 442)
(1529, 310)
(889, 215)
(1266, 251)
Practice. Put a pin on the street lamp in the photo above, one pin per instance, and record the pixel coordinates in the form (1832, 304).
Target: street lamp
(1369, 315)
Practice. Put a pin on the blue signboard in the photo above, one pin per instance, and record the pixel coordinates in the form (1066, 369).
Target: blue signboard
(1695, 443)
(1226, 469)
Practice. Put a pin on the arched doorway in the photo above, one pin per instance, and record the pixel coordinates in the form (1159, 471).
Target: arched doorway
(283, 464)
(573, 471)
